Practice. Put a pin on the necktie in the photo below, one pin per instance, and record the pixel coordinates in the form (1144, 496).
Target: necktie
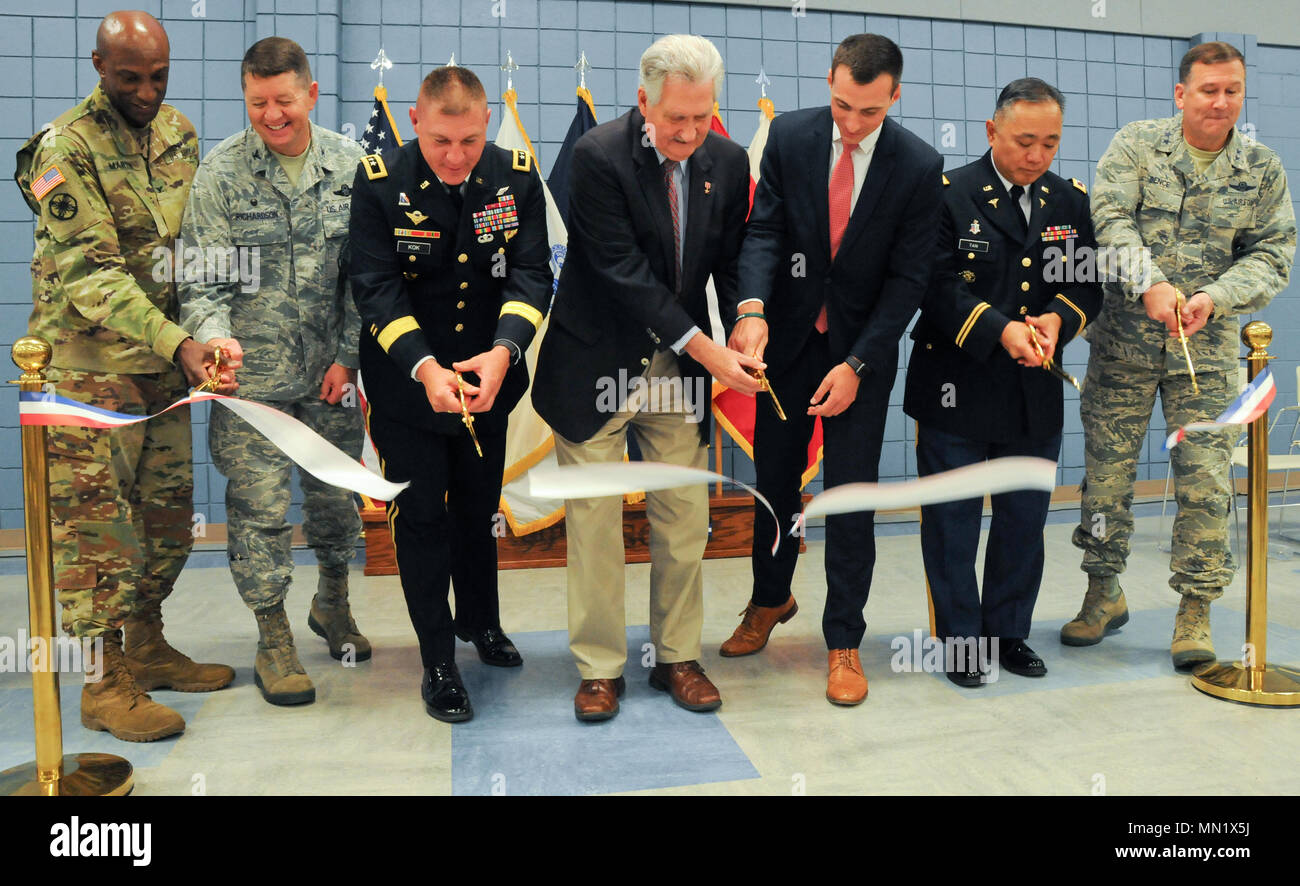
(841, 206)
(1016, 192)
(670, 166)
(457, 198)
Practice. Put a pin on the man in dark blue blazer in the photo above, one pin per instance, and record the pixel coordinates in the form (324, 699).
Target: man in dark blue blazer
(975, 384)
(658, 204)
(836, 260)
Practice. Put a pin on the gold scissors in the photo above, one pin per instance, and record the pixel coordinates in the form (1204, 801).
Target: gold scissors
(767, 386)
(1048, 364)
(465, 417)
(215, 378)
(1179, 301)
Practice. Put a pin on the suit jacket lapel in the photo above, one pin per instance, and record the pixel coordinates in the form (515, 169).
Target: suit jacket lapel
(698, 206)
(819, 176)
(651, 178)
(431, 200)
(878, 174)
(996, 203)
(1040, 204)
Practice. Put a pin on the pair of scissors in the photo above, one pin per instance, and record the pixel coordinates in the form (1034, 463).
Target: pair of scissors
(1179, 301)
(215, 378)
(761, 377)
(1047, 362)
(465, 417)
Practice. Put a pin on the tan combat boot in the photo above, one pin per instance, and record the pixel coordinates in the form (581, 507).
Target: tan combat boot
(156, 665)
(331, 616)
(1104, 610)
(1191, 644)
(115, 702)
(276, 669)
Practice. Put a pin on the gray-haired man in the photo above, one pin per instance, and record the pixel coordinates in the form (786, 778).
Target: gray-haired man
(659, 204)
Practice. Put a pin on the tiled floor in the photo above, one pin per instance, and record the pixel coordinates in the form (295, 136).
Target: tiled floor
(1115, 717)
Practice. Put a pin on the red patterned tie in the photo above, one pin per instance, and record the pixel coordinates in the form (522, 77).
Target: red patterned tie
(670, 166)
(841, 206)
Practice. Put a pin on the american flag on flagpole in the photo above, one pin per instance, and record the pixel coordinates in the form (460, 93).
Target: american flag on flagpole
(380, 133)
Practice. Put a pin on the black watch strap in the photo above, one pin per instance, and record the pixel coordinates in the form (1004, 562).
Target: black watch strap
(855, 364)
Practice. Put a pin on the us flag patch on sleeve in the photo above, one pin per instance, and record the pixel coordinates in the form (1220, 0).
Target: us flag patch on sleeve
(49, 180)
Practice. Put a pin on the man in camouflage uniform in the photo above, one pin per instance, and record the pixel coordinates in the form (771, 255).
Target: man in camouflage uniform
(108, 180)
(1214, 210)
(279, 192)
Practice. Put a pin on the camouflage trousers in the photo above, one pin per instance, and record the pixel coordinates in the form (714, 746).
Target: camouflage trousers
(121, 500)
(258, 496)
(1116, 411)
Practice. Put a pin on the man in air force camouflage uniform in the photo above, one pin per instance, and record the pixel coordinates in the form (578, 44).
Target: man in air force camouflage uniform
(281, 189)
(1214, 210)
(108, 180)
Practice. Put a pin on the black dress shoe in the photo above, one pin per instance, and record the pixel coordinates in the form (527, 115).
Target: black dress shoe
(494, 647)
(444, 694)
(968, 679)
(1018, 658)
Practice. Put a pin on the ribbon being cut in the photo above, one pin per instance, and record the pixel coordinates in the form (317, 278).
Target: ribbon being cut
(1253, 402)
(972, 481)
(305, 447)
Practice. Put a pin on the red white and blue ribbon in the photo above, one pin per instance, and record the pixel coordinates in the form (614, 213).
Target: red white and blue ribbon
(311, 452)
(1253, 402)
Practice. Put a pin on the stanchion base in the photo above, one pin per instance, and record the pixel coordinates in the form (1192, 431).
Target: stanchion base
(1274, 685)
(84, 775)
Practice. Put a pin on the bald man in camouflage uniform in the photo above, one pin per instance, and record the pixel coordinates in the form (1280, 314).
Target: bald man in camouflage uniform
(108, 181)
(1215, 212)
(280, 191)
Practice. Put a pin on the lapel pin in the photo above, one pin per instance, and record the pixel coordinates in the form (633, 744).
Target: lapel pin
(975, 226)
(402, 199)
(988, 187)
(994, 202)
(424, 184)
(1041, 202)
(708, 187)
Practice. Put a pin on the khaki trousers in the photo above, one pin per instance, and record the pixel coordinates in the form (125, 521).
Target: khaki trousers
(679, 527)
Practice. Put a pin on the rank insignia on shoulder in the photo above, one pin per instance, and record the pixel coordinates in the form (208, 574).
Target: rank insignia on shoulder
(521, 162)
(1080, 185)
(945, 181)
(374, 165)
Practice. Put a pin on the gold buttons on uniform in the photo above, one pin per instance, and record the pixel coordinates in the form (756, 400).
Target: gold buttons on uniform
(1024, 287)
(460, 327)
(460, 306)
(1023, 310)
(501, 249)
(970, 255)
(1026, 262)
(645, 361)
(410, 258)
(462, 258)
(464, 285)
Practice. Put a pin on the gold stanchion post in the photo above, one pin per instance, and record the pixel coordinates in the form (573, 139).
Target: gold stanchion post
(51, 774)
(1252, 680)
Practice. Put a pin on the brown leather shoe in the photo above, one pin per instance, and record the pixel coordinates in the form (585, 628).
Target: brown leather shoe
(688, 685)
(598, 699)
(846, 683)
(756, 627)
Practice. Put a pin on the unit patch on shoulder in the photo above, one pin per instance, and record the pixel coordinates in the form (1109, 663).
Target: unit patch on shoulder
(374, 166)
(63, 206)
(1080, 185)
(521, 162)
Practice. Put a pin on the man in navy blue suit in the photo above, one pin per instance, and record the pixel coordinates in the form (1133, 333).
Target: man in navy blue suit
(837, 258)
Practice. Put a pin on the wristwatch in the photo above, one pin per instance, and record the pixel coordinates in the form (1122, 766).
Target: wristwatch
(855, 364)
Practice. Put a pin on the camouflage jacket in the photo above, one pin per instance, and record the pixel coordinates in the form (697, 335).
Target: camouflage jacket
(109, 199)
(266, 269)
(1229, 232)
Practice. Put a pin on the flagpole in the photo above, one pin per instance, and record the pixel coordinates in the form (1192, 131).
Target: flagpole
(1252, 680)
